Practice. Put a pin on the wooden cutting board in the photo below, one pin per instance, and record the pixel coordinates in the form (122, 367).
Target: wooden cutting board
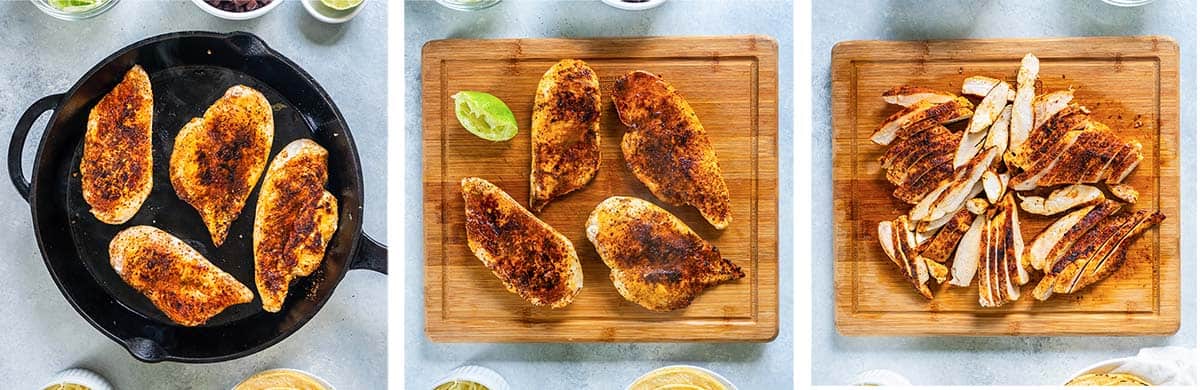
(731, 82)
(1129, 83)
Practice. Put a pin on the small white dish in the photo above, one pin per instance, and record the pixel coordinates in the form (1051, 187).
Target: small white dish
(315, 378)
(227, 15)
(79, 376)
(724, 382)
(1105, 367)
(481, 375)
(1127, 3)
(634, 5)
(329, 15)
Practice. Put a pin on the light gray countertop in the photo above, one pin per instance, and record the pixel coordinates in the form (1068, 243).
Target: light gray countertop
(984, 360)
(345, 343)
(592, 366)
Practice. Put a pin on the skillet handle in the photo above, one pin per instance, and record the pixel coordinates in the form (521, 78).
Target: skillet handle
(17, 145)
(370, 255)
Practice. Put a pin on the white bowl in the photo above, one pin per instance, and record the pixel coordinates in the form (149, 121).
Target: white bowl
(632, 6)
(79, 376)
(724, 382)
(481, 375)
(1105, 367)
(223, 14)
(315, 378)
(330, 15)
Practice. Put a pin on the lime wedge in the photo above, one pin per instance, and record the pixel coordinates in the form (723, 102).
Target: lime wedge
(341, 5)
(484, 115)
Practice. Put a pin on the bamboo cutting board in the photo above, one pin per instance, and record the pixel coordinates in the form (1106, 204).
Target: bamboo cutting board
(1129, 83)
(731, 82)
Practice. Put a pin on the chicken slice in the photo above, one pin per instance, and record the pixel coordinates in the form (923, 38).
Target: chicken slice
(1022, 117)
(1050, 104)
(964, 187)
(667, 148)
(909, 150)
(1044, 139)
(967, 255)
(1100, 268)
(1084, 153)
(993, 188)
(906, 95)
(916, 269)
(941, 246)
(1124, 192)
(916, 186)
(989, 108)
(1054, 242)
(981, 85)
(656, 261)
(1111, 236)
(1063, 199)
(921, 117)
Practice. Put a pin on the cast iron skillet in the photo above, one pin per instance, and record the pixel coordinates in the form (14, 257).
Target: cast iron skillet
(188, 71)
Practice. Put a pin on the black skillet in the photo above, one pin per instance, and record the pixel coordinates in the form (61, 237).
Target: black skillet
(188, 71)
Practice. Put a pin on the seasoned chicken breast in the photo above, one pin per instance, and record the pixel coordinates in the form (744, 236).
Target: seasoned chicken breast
(565, 132)
(667, 149)
(656, 260)
(1097, 254)
(293, 221)
(218, 159)
(176, 278)
(117, 168)
(531, 258)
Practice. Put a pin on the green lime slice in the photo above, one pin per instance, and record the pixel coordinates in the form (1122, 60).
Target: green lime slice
(341, 5)
(74, 6)
(484, 115)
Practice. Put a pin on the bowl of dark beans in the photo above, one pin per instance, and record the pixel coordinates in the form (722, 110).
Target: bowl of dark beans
(237, 9)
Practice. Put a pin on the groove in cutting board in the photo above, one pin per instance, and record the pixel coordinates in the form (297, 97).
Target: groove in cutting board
(1129, 83)
(731, 82)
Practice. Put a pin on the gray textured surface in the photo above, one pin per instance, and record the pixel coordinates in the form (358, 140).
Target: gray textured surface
(593, 366)
(345, 343)
(1010, 360)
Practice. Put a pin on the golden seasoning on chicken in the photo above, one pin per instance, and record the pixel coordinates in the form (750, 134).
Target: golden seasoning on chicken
(531, 258)
(657, 261)
(176, 278)
(218, 159)
(1095, 255)
(667, 149)
(1044, 149)
(919, 117)
(294, 220)
(117, 168)
(565, 133)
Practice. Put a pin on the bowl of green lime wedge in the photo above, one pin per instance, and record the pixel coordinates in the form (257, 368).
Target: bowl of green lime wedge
(333, 11)
(74, 9)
